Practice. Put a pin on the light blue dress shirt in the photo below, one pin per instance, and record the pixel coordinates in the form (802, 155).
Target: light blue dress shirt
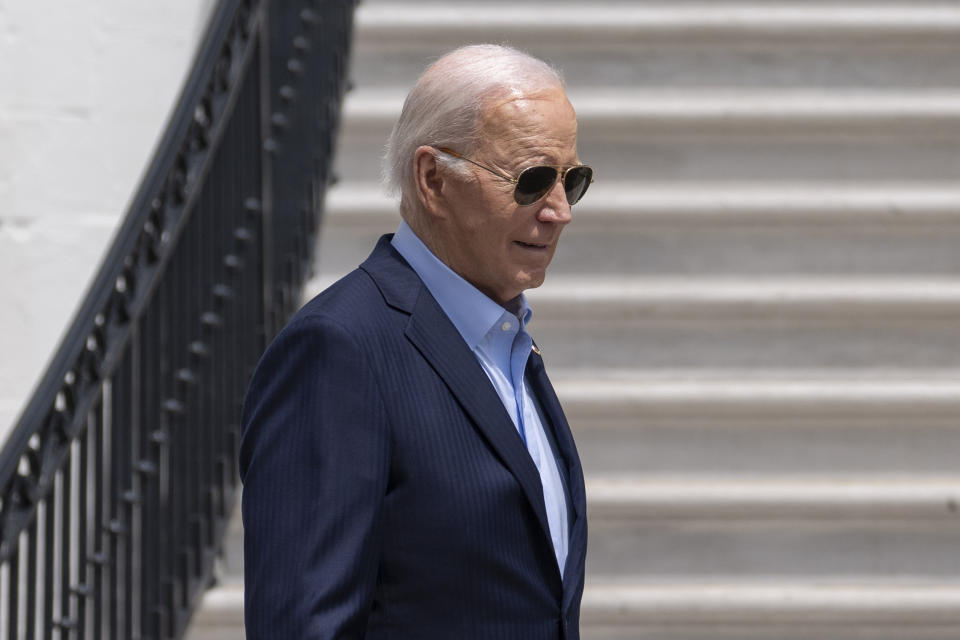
(499, 340)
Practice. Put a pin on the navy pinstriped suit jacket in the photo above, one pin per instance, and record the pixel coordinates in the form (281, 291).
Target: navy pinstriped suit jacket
(387, 493)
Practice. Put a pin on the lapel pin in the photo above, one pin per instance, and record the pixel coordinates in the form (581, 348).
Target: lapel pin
(535, 348)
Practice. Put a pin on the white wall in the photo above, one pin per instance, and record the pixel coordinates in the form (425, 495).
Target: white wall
(85, 90)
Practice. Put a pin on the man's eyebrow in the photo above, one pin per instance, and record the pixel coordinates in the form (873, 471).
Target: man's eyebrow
(545, 159)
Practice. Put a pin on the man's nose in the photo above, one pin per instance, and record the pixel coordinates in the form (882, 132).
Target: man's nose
(554, 207)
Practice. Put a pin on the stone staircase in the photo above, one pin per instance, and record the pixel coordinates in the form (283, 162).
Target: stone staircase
(754, 319)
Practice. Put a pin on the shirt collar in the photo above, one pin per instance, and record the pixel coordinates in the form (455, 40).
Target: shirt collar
(471, 311)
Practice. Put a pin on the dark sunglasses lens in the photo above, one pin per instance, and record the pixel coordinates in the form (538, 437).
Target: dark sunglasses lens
(533, 184)
(575, 183)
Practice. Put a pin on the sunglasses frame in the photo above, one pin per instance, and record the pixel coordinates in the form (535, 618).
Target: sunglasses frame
(561, 176)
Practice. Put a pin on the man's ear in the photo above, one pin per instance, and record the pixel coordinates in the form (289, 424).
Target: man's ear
(428, 177)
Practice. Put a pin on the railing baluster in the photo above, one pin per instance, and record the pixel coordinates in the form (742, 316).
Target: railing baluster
(96, 539)
(66, 538)
(73, 549)
(32, 587)
(107, 550)
(13, 596)
(48, 554)
(82, 587)
(146, 476)
(5, 600)
(61, 615)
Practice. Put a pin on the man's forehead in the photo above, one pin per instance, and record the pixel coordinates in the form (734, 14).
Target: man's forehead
(547, 112)
(543, 120)
(519, 102)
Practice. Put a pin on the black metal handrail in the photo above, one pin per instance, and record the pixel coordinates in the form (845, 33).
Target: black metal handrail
(117, 481)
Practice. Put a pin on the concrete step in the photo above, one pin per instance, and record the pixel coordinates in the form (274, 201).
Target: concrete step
(617, 299)
(731, 609)
(718, 228)
(231, 560)
(675, 324)
(726, 110)
(785, 609)
(873, 443)
(698, 526)
(651, 534)
(644, 503)
(763, 421)
(724, 134)
(757, 523)
(642, 203)
(852, 325)
(613, 397)
(751, 498)
(220, 614)
(632, 23)
(676, 44)
(756, 421)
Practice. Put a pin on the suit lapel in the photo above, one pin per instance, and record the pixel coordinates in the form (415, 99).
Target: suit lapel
(438, 340)
(540, 384)
(433, 334)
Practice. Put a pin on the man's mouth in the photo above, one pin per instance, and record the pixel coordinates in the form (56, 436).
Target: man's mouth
(531, 245)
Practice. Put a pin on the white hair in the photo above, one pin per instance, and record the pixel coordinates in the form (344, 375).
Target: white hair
(444, 107)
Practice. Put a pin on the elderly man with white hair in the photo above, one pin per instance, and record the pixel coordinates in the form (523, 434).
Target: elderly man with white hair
(408, 470)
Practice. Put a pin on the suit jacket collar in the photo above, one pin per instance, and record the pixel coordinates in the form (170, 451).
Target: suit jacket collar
(434, 335)
(398, 283)
(471, 311)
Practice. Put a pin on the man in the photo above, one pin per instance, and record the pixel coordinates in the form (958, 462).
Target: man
(408, 471)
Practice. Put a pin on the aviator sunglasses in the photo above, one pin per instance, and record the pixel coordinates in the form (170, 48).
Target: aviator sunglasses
(535, 182)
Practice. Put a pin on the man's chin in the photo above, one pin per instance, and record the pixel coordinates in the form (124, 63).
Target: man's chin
(532, 281)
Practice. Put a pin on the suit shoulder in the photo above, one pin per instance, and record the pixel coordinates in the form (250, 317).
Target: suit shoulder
(354, 292)
(353, 304)
(334, 326)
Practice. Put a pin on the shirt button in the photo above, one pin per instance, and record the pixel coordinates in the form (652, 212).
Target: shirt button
(505, 326)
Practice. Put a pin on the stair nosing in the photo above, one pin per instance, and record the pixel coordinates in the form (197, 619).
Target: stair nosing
(608, 24)
(689, 111)
(591, 400)
(778, 603)
(366, 204)
(763, 496)
(618, 299)
(783, 600)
